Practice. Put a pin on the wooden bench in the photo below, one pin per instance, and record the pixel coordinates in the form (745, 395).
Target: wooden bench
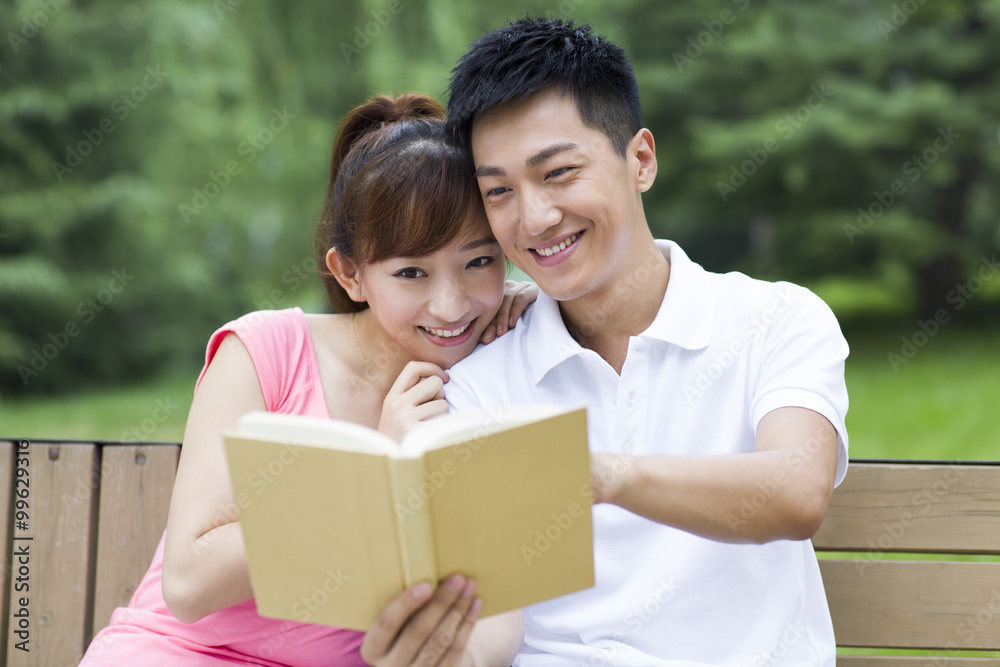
(96, 512)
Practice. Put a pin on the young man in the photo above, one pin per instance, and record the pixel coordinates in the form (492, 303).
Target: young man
(716, 403)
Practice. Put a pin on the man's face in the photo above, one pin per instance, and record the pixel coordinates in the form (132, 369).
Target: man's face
(562, 203)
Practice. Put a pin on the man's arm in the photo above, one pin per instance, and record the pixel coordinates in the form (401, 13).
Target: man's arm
(778, 492)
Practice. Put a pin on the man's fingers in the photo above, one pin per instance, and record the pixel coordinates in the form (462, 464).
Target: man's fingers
(379, 639)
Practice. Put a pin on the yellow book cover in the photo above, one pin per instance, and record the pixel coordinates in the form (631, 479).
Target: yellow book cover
(338, 518)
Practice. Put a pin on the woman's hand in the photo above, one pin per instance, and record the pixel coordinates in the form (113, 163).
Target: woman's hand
(425, 627)
(516, 297)
(415, 396)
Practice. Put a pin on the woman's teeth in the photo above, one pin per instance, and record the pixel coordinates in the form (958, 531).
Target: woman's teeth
(548, 252)
(447, 333)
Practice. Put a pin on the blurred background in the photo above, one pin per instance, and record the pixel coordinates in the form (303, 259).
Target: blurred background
(163, 163)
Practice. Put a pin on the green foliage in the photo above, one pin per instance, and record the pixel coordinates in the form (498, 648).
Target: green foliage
(185, 144)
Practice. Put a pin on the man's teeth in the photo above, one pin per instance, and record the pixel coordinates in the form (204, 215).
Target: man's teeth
(447, 333)
(548, 252)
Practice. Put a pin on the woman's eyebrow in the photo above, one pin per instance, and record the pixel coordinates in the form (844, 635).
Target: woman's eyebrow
(471, 245)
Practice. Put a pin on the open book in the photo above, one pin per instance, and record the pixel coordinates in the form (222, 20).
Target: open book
(338, 518)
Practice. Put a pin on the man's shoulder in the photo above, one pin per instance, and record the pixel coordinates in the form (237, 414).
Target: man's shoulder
(503, 353)
(740, 292)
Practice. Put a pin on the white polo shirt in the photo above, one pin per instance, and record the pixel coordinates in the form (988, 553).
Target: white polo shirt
(723, 351)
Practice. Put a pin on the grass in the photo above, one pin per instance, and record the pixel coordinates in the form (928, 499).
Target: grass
(150, 411)
(940, 404)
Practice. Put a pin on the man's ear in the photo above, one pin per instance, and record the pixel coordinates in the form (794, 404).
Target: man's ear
(347, 274)
(643, 149)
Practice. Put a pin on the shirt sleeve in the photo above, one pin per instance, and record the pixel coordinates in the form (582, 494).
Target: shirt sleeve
(802, 365)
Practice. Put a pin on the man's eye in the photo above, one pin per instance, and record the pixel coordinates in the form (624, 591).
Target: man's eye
(558, 172)
(409, 273)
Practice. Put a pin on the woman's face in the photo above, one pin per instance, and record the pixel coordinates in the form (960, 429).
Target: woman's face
(436, 306)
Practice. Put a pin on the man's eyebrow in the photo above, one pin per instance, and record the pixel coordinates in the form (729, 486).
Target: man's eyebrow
(478, 243)
(533, 161)
(545, 154)
(488, 170)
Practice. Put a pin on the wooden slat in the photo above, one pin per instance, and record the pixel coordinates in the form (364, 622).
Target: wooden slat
(914, 507)
(60, 551)
(925, 661)
(136, 482)
(7, 449)
(920, 605)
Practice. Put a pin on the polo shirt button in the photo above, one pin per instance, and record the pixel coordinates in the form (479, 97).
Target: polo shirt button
(631, 399)
(627, 447)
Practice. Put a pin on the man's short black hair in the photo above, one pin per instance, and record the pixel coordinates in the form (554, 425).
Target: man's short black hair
(531, 54)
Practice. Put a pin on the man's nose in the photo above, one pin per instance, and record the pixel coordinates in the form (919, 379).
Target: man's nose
(538, 212)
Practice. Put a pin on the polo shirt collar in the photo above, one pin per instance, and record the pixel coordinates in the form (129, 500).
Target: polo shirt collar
(687, 314)
(685, 317)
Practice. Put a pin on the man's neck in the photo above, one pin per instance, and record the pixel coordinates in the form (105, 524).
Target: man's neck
(604, 321)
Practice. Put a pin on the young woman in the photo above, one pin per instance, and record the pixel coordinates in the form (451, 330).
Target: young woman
(418, 280)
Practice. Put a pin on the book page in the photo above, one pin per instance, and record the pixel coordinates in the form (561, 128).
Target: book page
(512, 509)
(315, 432)
(456, 427)
(319, 529)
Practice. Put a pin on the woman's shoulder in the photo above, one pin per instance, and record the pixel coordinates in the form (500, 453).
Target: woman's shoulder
(261, 321)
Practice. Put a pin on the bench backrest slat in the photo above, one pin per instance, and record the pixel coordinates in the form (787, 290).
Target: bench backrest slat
(939, 508)
(894, 661)
(914, 604)
(61, 548)
(128, 533)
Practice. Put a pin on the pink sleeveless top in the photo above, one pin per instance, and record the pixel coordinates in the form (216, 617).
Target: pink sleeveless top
(146, 633)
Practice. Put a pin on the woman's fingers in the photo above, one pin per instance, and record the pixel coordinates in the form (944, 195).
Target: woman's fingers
(524, 297)
(423, 626)
(379, 639)
(516, 297)
(447, 643)
(417, 395)
(456, 656)
(426, 411)
(414, 372)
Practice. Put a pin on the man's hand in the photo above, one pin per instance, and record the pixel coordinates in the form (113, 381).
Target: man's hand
(425, 627)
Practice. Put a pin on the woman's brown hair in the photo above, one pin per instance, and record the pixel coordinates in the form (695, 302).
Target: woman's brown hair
(397, 188)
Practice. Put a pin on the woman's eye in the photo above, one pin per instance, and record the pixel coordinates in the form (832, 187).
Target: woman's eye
(409, 273)
(493, 192)
(481, 261)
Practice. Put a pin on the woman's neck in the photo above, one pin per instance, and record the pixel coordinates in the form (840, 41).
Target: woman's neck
(382, 358)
